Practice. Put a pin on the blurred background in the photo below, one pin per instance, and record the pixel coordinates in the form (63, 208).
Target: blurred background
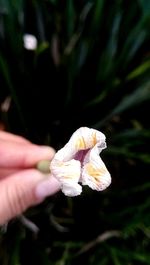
(66, 64)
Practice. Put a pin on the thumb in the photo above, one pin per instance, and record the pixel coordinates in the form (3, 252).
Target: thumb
(22, 190)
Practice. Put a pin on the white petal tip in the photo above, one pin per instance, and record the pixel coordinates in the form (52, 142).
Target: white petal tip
(30, 42)
(72, 191)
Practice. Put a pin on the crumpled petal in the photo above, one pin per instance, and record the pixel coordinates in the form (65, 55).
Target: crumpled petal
(79, 162)
(94, 172)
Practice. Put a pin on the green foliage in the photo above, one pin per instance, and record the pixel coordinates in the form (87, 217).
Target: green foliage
(91, 68)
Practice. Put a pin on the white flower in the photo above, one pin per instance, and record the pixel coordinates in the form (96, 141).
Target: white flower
(30, 42)
(79, 162)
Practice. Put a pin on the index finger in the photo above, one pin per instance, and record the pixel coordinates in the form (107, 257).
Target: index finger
(6, 136)
(16, 155)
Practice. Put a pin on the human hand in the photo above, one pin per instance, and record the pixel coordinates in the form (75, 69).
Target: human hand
(21, 184)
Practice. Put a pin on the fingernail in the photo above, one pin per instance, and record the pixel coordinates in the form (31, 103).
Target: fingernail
(47, 188)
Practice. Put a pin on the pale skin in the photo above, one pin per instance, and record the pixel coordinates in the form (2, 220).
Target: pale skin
(21, 184)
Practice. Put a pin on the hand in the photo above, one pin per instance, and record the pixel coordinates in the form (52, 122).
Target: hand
(21, 184)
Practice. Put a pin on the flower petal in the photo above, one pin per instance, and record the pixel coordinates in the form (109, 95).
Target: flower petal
(30, 42)
(85, 138)
(67, 171)
(95, 173)
(79, 161)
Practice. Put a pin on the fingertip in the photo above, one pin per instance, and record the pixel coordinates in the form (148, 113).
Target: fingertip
(46, 152)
